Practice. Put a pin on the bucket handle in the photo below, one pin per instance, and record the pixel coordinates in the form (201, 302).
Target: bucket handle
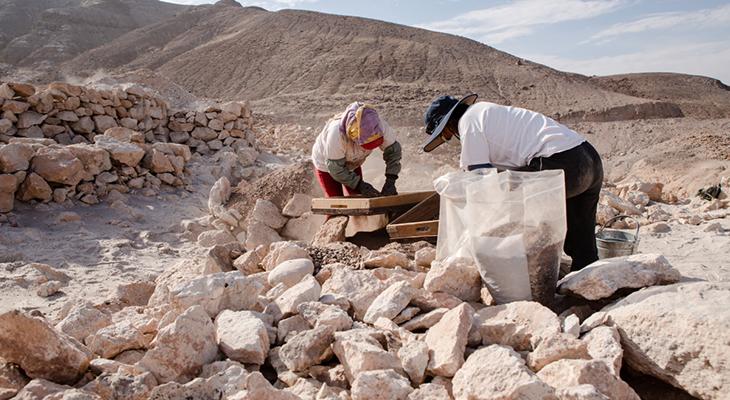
(621, 217)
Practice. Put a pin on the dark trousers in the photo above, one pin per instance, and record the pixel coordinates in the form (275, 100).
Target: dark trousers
(583, 179)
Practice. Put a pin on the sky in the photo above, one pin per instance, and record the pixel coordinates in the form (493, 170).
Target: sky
(591, 37)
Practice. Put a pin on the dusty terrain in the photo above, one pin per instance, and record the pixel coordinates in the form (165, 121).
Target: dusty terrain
(220, 215)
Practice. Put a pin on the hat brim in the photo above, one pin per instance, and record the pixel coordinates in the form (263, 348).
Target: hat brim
(436, 139)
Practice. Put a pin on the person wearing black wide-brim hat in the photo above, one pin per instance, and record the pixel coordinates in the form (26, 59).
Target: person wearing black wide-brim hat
(505, 137)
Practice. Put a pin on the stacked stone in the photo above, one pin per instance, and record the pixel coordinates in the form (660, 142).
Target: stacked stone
(226, 125)
(404, 327)
(119, 160)
(66, 142)
(71, 114)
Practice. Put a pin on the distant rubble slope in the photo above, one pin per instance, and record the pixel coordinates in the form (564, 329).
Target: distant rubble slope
(42, 33)
(698, 96)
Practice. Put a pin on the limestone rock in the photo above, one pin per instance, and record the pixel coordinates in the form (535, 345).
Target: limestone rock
(216, 292)
(215, 237)
(94, 159)
(414, 359)
(359, 352)
(297, 205)
(554, 348)
(124, 153)
(114, 339)
(282, 251)
(307, 348)
(390, 302)
(182, 348)
(308, 289)
(220, 192)
(331, 231)
(429, 301)
(430, 391)
(291, 272)
(580, 392)
(258, 388)
(692, 354)
(380, 385)
(250, 262)
(604, 343)
(83, 320)
(242, 336)
(425, 256)
(304, 227)
(260, 234)
(498, 372)
(425, 321)
(386, 259)
(118, 385)
(57, 165)
(35, 188)
(571, 325)
(11, 381)
(135, 293)
(360, 287)
(520, 325)
(40, 350)
(564, 374)
(317, 314)
(15, 157)
(104, 122)
(604, 277)
(456, 276)
(268, 213)
(40, 389)
(447, 341)
(624, 206)
(28, 119)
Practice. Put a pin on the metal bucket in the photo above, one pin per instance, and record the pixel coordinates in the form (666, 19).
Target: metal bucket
(616, 243)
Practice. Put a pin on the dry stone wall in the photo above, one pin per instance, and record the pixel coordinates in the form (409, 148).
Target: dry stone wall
(65, 142)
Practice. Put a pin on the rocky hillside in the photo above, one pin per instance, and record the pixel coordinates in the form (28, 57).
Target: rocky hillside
(307, 63)
(45, 32)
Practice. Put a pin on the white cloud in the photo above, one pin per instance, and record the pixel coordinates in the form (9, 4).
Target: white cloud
(719, 16)
(707, 59)
(520, 17)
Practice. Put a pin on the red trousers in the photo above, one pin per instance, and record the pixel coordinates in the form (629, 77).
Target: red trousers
(333, 188)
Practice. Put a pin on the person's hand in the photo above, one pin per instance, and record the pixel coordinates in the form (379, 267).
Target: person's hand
(389, 186)
(367, 189)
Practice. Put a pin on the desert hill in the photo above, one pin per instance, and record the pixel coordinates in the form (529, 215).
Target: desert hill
(308, 63)
(36, 33)
(300, 62)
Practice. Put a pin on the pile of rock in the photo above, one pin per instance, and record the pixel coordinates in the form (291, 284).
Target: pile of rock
(265, 224)
(65, 142)
(647, 203)
(71, 114)
(118, 161)
(272, 326)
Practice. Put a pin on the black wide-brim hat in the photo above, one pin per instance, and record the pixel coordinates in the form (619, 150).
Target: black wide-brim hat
(438, 115)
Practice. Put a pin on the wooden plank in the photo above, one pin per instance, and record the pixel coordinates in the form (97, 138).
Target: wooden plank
(364, 205)
(411, 230)
(426, 210)
(421, 221)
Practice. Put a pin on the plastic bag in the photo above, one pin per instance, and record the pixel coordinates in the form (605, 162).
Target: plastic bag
(452, 237)
(512, 224)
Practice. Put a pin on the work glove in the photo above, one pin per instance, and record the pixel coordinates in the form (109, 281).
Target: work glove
(366, 189)
(389, 185)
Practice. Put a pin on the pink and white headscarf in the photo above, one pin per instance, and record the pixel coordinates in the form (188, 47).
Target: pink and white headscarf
(362, 125)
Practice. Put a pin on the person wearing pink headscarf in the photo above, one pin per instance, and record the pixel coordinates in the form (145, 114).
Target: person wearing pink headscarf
(342, 147)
